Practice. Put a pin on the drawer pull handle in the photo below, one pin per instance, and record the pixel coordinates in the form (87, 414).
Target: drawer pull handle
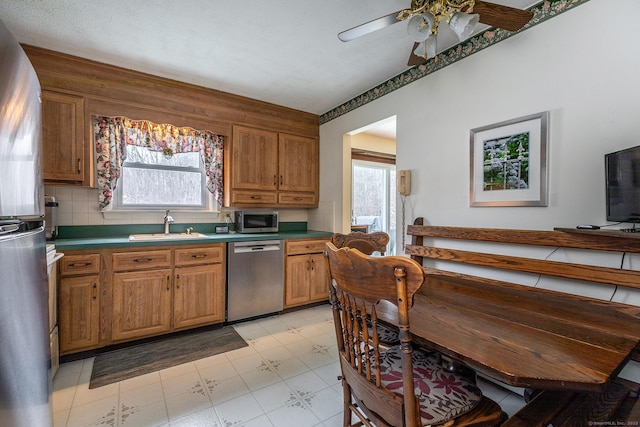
(95, 291)
(199, 256)
(168, 282)
(281, 180)
(143, 260)
(80, 264)
(177, 281)
(297, 198)
(79, 165)
(256, 197)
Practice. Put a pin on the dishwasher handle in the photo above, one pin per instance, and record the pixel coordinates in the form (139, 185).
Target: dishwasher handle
(258, 246)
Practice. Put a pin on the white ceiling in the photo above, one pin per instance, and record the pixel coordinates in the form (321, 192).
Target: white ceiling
(278, 51)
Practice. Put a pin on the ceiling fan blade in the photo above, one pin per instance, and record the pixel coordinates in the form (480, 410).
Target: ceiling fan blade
(496, 15)
(369, 27)
(415, 59)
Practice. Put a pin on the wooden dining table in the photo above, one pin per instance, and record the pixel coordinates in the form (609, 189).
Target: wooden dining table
(520, 335)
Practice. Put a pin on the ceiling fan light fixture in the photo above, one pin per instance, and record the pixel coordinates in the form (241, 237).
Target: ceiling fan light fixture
(419, 26)
(427, 49)
(463, 24)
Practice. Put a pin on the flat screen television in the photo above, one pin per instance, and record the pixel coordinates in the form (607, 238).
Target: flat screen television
(622, 170)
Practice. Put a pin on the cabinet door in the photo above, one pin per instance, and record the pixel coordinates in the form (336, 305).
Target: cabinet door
(318, 285)
(63, 138)
(199, 295)
(141, 304)
(298, 160)
(296, 289)
(78, 313)
(254, 159)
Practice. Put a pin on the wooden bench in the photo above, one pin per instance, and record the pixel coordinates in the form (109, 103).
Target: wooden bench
(444, 252)
(617, 406)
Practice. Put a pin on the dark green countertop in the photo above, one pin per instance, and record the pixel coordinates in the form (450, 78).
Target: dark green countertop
(99, 237)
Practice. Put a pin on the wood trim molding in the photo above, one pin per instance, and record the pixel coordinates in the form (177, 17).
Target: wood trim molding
(109, 88)
(373, 156)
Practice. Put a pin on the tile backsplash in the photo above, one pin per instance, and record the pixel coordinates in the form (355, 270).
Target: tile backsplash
(79, 206)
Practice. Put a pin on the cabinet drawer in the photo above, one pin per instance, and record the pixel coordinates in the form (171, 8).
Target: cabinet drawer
(253, 198)
(79, 264)
(141, 260)
(208, 255)
(297, 199)
(297, 247)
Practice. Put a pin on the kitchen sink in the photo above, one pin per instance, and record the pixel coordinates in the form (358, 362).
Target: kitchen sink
(162, 236)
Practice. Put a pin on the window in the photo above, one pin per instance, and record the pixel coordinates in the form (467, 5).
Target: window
(158, 165)
(151, 180)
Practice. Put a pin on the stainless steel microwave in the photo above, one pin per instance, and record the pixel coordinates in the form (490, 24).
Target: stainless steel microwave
(256, 222)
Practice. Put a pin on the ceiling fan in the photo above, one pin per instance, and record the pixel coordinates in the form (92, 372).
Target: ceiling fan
(424, 16)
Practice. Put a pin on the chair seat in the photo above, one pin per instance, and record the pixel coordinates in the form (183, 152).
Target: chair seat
(443, 395)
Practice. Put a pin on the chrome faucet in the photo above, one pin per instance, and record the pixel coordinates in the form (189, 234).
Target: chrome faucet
(168, 220)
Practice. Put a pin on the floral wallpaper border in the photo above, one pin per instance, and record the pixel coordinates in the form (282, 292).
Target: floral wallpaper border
(543, 11)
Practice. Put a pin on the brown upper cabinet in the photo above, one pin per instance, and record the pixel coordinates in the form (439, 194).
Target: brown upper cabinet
(65, 154)
(271, 166)
(271, 169)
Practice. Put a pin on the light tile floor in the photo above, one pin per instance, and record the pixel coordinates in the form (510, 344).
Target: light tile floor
(287, 376)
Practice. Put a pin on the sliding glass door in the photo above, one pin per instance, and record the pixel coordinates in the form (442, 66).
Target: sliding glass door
(373, 198)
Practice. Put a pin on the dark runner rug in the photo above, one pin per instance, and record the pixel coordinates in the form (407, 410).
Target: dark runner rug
(129, 362)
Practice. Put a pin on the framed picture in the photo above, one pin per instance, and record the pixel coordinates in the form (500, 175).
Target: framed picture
(509, 162)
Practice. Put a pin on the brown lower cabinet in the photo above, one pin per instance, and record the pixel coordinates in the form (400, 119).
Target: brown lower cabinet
(143, 293)
(197, 299)
(79, 302)
(141, 304)
(305, 275)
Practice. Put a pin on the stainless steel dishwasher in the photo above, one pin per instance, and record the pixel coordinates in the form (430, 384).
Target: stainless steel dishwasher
(255, 279)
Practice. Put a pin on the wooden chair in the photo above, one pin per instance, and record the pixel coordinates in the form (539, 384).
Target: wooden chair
(367, 243)
(380, 383)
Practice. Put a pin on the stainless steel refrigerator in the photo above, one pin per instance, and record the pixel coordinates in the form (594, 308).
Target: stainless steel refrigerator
(24, 336)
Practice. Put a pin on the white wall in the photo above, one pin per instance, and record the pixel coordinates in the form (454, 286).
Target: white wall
(374, 143)
(587, 79)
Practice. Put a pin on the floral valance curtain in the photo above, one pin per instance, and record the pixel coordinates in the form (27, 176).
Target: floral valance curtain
(112, 134)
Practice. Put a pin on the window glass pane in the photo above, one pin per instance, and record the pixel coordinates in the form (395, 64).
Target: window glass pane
(143, 155)
(374, 198)
(369, 198)
(150, 179)
(152, 187)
